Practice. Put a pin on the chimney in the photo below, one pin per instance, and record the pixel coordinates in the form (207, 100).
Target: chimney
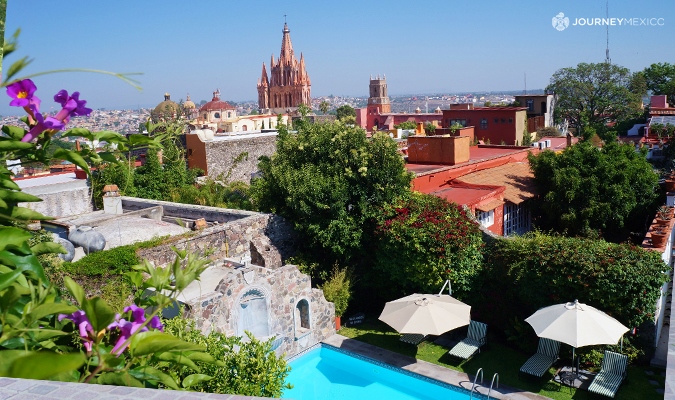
(112, 202)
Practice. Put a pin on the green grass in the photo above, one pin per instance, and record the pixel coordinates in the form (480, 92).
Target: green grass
(498, 358)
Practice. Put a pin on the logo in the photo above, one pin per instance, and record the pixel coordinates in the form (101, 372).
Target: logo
(560, 22)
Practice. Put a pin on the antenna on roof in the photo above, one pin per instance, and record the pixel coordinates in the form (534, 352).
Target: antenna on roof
(607, 59)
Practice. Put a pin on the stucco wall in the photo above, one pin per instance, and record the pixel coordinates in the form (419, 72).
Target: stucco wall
(61, 203)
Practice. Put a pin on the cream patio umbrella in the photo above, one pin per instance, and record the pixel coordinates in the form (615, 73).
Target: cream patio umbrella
(576, 324)
(426, 314)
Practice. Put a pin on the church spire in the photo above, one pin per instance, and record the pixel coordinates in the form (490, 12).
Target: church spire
(286, 56)
(263, 77)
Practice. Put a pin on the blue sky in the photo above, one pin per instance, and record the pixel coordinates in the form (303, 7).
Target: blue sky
(434, 46)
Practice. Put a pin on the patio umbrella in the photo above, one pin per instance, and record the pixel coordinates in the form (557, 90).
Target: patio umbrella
(576, 324)
(427, 314)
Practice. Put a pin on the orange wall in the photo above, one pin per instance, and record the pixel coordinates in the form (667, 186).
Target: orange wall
(196, 153)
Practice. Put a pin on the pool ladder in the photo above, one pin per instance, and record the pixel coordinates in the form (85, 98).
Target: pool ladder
(480, 371)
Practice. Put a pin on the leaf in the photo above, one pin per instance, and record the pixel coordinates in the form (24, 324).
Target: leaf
(99, 313)
(8, 278)
(43, 310)
(44, 334)
(108, 156)
(201, 356)
(152, 342)
(18, 197)
(13, 145)
(48, 248)
(108, 136)
(12, 236)
(43, 364)
(178, 358)
(17, 66)
(157, 375)
(28, 263)
(26, 214)
(14, 132)
(119, 379)
(79, 132)
(74, 289)
(72, 156)
(194, 379)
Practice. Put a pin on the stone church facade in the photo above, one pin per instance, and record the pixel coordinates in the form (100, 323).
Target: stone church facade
(288, 84)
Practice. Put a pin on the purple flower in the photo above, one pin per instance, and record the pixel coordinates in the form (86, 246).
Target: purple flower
(80, 320)
(43, 124)
(128, 328)
(21, 93)
(72, 105)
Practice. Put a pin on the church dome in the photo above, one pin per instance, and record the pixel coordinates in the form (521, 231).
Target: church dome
(189, 104)
(167, 108)
(216, 104)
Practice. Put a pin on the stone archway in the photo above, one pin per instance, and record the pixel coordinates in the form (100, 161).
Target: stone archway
(253, 313)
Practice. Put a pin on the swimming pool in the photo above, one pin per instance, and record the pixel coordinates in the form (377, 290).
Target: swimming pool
(327, 373)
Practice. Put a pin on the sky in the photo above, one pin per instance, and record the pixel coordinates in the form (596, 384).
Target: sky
(436, 46)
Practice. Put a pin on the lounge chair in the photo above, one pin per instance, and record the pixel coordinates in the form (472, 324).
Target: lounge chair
(475, 339)
(541, 361)
(413, 338)
(612, 373)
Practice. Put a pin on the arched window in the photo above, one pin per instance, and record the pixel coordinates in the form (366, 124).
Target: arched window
(244, 128)
(216, 115)
(301, 316)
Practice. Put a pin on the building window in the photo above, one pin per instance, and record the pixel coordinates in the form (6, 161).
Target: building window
(510, 120)
(530, 105)
(483, 123)
(503, 120)
(496, 120)
(461, 122)
(229, 114)
(516, 218)
(216, 115)
(486, 218)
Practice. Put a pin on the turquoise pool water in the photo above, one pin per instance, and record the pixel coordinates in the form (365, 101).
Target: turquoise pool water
(328, 374)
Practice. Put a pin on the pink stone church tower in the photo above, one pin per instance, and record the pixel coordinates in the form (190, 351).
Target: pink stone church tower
(288, 84)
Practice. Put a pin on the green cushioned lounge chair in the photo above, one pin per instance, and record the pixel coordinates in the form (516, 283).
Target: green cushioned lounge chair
(612, 373)
(475, 339)
(413, 338)
(541, 361)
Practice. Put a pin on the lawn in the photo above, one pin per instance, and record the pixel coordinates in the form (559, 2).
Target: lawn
(504, 360)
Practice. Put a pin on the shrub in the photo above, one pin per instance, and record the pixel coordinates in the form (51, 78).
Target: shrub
(526, 273)
(424, 240)
(337, 290)
(252, 370)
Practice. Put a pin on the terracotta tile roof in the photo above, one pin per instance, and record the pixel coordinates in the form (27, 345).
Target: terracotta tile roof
(491, 205)
(516, 177)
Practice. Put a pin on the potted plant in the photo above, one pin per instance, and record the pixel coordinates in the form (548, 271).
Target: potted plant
(670, 182)
(338, 290)
(664, 215)
(659, 235)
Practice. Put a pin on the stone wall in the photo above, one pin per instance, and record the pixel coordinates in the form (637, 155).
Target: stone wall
(236, 159)
(282, 290)
(230, 238)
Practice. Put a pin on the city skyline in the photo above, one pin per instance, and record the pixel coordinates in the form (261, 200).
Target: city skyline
(445, 47)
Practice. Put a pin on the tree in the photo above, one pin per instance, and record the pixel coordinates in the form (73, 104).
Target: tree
(345, 111)
(590, 95)
(324, 107)
(331, 181)
(424, 240)
(408, 125)
(586, 189)
(660, 79)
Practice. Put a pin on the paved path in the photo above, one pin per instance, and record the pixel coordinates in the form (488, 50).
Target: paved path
(427, 369)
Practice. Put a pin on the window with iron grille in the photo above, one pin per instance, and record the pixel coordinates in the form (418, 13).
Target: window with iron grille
(483, 123)
(486, 218)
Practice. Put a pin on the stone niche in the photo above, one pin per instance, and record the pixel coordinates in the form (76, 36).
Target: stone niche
(268, 303)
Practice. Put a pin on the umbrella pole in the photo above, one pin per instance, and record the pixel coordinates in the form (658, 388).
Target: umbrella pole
(573, 350)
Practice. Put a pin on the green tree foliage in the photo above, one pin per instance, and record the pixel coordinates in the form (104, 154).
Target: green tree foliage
(660, 79)
(252, 370)
(345, 111)
(594, 94)
(406, 125)
(331, 181)
(424, 240)
(324, 106)
(584, 189)
(338, 289)
(526, 273)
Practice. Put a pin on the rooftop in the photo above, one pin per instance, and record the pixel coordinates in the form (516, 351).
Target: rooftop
(516, 177)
